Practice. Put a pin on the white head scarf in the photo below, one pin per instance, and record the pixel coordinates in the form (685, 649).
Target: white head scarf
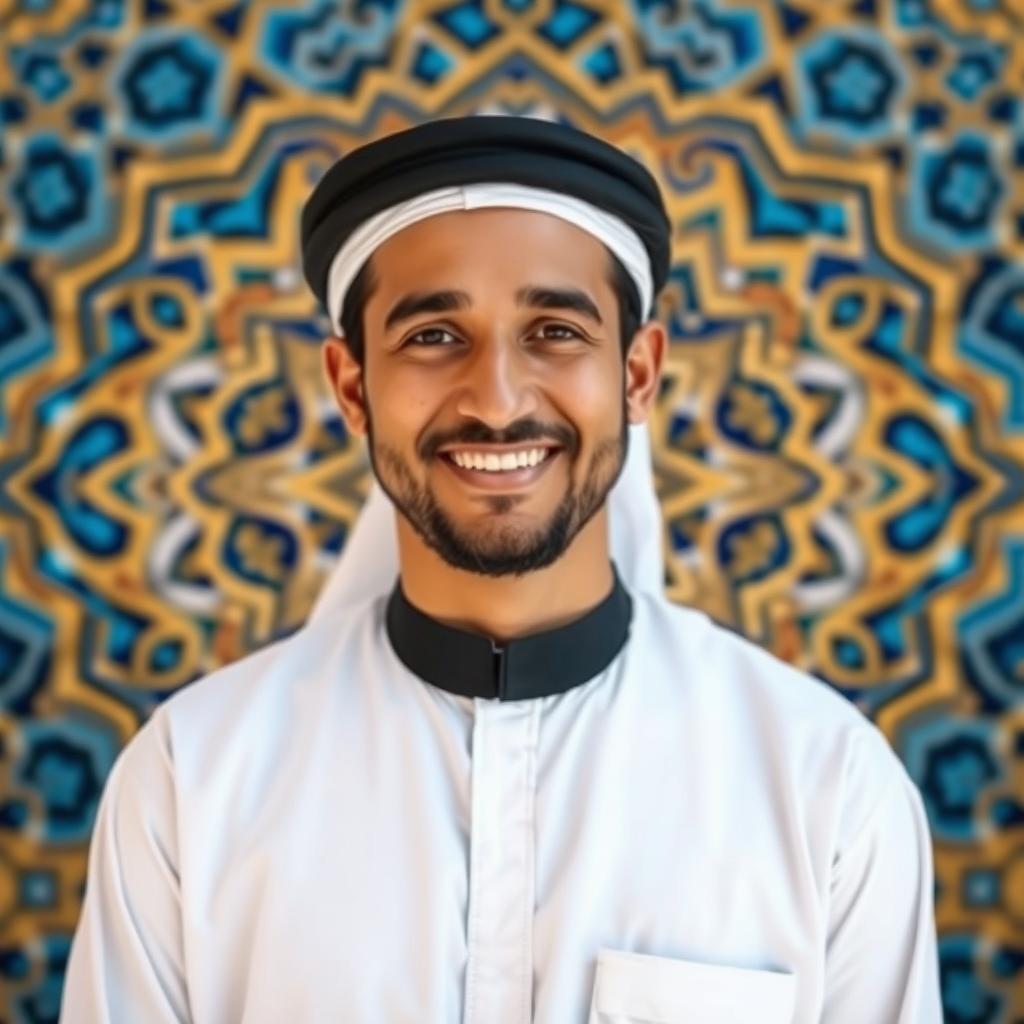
(613, 231)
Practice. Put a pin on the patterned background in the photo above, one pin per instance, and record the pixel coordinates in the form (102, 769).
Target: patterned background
(839, 446)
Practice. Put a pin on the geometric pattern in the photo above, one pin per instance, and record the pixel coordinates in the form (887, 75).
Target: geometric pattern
(839, 443)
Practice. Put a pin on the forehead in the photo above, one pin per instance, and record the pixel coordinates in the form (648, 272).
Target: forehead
(498, 240)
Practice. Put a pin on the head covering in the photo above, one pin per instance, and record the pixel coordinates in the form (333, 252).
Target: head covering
(553, 158)
(614, 232)
(469, 162)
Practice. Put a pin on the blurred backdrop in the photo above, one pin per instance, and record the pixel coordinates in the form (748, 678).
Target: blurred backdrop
(839, 444)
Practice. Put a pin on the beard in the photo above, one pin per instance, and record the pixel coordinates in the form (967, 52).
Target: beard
(499, 548)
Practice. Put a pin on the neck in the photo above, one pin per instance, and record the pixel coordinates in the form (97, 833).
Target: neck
(506, 607)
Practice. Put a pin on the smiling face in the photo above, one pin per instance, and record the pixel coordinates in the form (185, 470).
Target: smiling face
(490, 334)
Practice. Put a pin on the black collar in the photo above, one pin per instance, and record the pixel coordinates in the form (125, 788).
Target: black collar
(538, 665)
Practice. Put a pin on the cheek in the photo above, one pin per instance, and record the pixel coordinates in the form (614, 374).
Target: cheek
(402, 406)
(591, 393)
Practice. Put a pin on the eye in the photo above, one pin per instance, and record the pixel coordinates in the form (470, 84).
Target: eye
(569, 332)
(428, 333)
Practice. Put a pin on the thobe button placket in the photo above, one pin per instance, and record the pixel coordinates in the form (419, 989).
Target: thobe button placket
(499, 974)
(500, 670)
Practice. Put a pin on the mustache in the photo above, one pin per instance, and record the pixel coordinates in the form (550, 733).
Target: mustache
(518, 433)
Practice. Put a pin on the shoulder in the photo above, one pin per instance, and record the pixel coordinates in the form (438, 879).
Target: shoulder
(805, 728)
(730, 668)
(248, 705)
(289, 662)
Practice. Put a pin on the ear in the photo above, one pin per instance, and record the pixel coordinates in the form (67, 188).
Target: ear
(345, 379)
(643, 369)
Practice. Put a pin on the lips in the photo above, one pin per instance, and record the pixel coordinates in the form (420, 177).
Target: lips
(500, 480)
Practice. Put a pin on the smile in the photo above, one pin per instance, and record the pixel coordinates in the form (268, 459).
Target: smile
(498, 478)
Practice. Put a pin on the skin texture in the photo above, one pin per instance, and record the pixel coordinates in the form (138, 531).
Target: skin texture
(496, 371)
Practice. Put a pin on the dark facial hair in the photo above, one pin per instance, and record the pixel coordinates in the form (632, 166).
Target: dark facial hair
(510, 551)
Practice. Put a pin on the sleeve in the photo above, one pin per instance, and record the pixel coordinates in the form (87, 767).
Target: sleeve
(126, 963)
(882, 956)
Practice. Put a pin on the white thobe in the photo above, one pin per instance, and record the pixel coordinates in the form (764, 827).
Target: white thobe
(701, 833)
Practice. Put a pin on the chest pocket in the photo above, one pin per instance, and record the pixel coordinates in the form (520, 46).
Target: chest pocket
(634, 988)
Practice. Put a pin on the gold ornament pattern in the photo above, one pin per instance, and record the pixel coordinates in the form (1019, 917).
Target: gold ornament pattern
(838, 444)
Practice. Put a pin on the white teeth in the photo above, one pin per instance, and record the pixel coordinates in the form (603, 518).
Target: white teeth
(494, 463)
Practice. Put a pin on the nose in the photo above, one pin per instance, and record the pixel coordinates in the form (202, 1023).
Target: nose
(497, 385)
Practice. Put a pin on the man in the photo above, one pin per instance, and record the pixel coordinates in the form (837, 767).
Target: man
(509, 787)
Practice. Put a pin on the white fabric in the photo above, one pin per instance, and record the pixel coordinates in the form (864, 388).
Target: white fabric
(613, 231)
(700, 833)
(368, 563)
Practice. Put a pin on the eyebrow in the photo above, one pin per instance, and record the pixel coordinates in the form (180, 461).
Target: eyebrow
(558, 298)
(425, 302)
(532, 295)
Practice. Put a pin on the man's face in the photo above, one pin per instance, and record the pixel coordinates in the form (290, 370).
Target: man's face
(494, 332)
